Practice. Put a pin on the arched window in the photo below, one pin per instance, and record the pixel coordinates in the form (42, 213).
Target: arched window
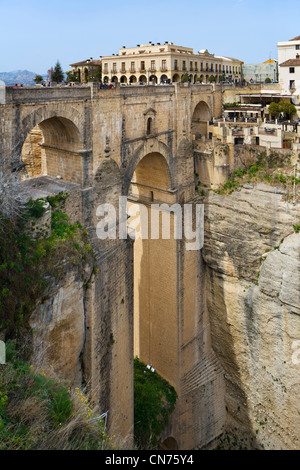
(149, 126)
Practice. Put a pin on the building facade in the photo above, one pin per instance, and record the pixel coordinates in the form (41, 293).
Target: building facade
(259, 73)
(167, 63)
(85, 69)
(289, 68)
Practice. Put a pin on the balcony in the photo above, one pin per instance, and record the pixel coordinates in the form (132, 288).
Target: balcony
(163, 69)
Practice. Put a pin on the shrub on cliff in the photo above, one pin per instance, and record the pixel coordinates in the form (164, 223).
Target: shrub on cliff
(154, 401)
(273, 168)
(25, 262)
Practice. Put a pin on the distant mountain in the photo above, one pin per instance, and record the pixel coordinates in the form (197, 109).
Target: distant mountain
(19, 76)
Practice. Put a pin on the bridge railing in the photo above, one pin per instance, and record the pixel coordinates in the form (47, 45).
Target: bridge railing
(17, 95)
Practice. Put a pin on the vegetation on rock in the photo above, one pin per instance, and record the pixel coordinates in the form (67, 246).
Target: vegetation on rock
(154, 401)
(25, 262)
(38, 412)
(273, 169)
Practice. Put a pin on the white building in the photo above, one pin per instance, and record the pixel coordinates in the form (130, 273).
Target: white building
(160, 63)
(289, 69)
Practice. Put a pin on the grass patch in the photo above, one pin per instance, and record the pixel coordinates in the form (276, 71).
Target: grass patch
(273, 169)
(41, 413)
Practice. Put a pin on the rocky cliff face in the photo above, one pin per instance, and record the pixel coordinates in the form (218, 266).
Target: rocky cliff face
(59, 324)
(252, 256)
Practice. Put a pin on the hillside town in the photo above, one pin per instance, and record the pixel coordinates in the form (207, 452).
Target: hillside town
(248, 89)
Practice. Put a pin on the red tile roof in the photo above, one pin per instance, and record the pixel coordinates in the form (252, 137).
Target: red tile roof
(87, 62)
(291, 63)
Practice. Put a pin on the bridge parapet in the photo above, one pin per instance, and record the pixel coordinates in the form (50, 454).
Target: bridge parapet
(22, 95)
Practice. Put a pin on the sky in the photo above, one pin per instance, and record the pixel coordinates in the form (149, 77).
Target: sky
(35, 34)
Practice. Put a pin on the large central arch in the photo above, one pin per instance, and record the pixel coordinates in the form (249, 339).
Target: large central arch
(155, 267)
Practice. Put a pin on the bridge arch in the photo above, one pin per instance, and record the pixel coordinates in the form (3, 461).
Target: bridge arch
(151, 176)
(43, 113)
(201, 116)
(52, 144)
(151, 145)
(154, 265)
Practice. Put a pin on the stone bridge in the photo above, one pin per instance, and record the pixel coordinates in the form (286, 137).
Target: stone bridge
(147, 298)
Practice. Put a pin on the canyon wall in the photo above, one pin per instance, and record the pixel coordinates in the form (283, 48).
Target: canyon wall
(252, 292)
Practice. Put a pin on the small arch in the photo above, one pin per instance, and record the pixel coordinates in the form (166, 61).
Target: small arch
(201, 116)
(164, 79)
(143, 79)
(175, 78)
(169, 444)
(149, 126)
(114, 79)
(153, 79)
(132, 79)
(123, 79)
(201, 112)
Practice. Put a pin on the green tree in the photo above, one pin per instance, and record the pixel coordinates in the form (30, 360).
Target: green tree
(38, 79)
(288, 109)
(212, 79)
(274, 109)
(71, 77)
(98, 74)
(185, 78)
(268, 80)
(57, 73)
